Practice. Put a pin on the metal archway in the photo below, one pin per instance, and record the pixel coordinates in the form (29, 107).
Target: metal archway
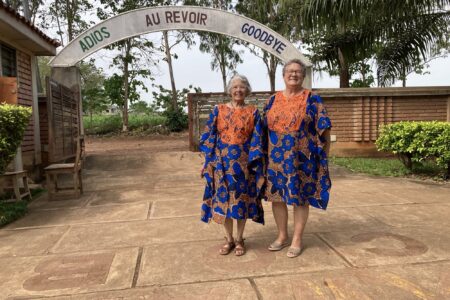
(154, 19)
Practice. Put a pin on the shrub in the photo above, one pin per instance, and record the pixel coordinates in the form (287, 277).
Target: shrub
(417, 141)
(107, 124)
(102, 124)
(176, 120)
(141, 122)
(12, 211)
(13, 122)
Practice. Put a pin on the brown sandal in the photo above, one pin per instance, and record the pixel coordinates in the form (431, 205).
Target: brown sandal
(239, 249)
(227, 247)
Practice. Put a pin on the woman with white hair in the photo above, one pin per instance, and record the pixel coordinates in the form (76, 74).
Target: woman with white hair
(233, 168)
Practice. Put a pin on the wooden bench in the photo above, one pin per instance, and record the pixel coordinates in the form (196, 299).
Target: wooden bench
(14, 179)
(53, 170)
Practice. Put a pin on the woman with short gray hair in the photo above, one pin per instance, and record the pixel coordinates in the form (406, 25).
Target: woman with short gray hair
(298, 130)
(233, 167)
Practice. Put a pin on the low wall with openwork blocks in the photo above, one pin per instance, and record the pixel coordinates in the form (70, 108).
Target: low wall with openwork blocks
(355, 113)
(25, 97)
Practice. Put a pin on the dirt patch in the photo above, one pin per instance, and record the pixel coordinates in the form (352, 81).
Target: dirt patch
(122, 145)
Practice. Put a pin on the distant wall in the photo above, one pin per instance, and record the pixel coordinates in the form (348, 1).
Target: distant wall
(355, 113)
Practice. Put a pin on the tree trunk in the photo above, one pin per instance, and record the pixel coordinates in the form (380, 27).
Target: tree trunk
(58, 23)
(404, 77)
(222, 64)
(344, 75)
(169, 62)
(224, 79)
(272, 72)
(126, 75)
(69, 15)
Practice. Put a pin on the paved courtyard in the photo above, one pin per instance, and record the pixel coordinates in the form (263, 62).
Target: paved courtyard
(136, 234)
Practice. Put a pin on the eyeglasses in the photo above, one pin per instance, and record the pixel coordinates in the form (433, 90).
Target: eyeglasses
(291, 72)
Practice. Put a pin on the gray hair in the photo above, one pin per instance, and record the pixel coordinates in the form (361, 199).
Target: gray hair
(243, 79)
(295, 61)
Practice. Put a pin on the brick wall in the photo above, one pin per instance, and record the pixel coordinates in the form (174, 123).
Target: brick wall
(355, 113)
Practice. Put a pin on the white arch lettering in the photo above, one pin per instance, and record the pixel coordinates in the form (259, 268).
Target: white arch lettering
(153, 19)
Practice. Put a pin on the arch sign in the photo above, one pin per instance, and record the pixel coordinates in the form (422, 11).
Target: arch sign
(153, 19)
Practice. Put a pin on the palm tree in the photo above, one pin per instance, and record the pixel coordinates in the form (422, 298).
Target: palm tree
(393, 32)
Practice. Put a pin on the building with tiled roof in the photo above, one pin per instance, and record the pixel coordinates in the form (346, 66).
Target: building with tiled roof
(20, 44)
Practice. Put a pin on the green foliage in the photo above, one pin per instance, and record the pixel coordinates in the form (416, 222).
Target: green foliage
(115, 91)
(102, 124)
(110, 124)
(221, 48)
(366, 80)
(393, 33)
(177, 119)
(441, 148)
(417, 141)
(68, 16)
(267, 13)
(92, 88)
(44, 71)
(10, 211)
(13, 122)
(386, 167)
(141, 107)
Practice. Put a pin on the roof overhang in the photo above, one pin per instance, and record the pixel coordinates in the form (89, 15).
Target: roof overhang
(21, 34)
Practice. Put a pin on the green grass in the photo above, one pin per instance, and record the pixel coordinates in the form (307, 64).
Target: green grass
(107, 124)
(11, 211)
(388, 167)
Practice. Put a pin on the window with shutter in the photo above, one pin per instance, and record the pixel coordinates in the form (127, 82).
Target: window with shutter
(8, 66)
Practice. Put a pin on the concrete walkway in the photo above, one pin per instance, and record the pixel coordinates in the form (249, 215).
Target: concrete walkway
(136, 234)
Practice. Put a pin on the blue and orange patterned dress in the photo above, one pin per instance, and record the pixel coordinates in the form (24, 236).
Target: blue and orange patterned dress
(297, 168)
(234, 164)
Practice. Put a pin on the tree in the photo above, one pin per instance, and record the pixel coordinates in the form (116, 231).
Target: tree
(343, 33)
(135, 54)
(115, 89)
(266, 12)
(141, 107)
(224, 57)
(176, 118)
(33, 7)
(92, 88)
(167, 48)
(69, 16)
(44, 71)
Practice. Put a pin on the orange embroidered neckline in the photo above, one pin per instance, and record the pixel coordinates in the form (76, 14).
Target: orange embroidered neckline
(286, 114)
(235, 125)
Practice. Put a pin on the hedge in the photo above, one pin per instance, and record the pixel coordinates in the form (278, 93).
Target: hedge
(13, 122)
(416, 141)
